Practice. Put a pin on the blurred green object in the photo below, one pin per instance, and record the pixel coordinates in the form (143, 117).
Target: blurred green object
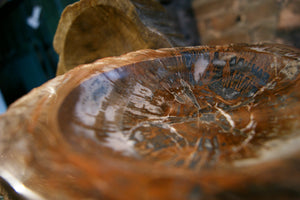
(27, 57)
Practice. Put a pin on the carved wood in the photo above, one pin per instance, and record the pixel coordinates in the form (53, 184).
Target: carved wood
(93, 29)
(217, 122)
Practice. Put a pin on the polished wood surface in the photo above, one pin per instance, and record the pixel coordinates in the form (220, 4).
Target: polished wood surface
(208, 122)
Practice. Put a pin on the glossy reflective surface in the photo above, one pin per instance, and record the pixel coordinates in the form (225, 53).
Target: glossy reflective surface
(155, 119)
(193, 110)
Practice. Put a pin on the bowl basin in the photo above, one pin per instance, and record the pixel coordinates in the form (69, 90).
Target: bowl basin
(211, 122)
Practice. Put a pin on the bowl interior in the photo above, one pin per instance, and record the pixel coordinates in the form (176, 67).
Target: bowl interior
(194, 110)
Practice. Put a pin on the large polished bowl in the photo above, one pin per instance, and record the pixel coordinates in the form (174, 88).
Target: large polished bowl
(217, 122)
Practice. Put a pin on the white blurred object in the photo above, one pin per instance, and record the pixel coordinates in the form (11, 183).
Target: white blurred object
(34, 20)
(2, 104)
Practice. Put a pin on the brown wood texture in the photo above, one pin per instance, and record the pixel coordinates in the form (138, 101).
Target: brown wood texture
(93, 29)
(208, 122)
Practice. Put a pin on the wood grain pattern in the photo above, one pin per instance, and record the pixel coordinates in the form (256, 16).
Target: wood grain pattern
(208, 122)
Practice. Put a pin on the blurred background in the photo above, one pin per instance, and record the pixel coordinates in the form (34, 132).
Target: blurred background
(27, 57)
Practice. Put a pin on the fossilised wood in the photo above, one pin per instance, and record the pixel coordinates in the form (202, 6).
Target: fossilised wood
(93, 29)
(184, 123)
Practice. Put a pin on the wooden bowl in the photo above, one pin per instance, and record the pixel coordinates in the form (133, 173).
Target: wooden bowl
(208, 122)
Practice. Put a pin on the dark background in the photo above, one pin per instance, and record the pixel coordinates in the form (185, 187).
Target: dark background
(27, 57)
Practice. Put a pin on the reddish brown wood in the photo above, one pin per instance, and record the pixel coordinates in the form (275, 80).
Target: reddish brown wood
(218, 122)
